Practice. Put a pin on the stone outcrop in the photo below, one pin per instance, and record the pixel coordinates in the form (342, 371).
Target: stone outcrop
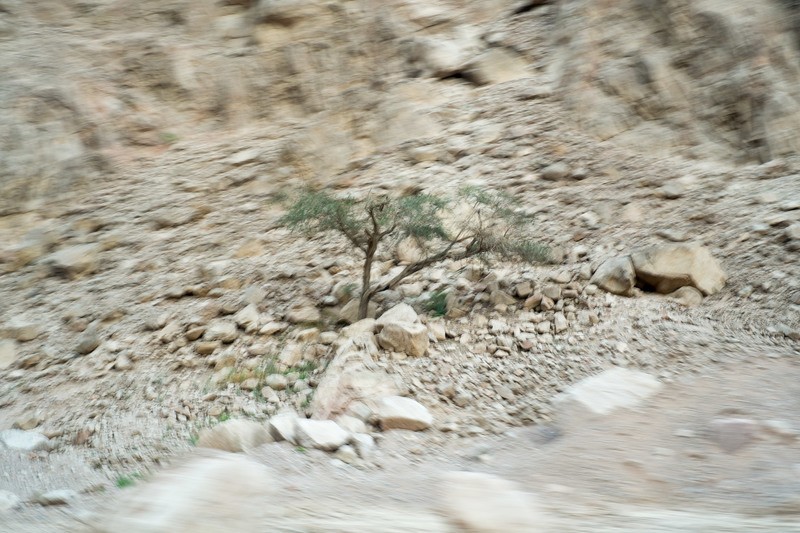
(716, 79)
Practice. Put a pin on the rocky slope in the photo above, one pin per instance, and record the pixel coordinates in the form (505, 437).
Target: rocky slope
(159, 296)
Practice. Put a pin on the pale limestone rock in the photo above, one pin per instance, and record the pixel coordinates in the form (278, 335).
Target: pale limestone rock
(8, 501)
(283, 427)
(351, 424)
(303, 315)
(247, 318)
(323, 435)
(234, 436)
(482, 503)
(616, 276)
(688, 296)
(212, 491)
(222, 330)
(408, 251)
(18, 439)
(401, 312)
(404, 337)
(671, 266)
(613, 389)
(20, 330)
(8, 353)
(74, 261)
(397, 412)
(352, 376)
(496, 65)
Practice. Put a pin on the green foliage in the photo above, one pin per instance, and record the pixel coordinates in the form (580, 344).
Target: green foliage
(225, 416)
(477, 223)
(124, 481)
(437, 303)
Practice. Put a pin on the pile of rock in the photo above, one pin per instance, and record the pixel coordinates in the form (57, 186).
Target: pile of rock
(684, 272)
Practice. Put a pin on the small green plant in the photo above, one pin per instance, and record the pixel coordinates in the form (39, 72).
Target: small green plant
(193, 439)
(479, 223)
(300, 449)
(167, 137)
(224, 416)
(124, 481)
(437, 303)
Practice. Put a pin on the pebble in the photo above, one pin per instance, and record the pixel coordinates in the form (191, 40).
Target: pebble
(56, 497)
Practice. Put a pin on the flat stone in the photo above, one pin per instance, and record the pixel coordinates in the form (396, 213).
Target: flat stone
(57, 497)
(18, 439)
(303, 315)
(483, 503)
(613, 389)
(324, 435)
(20, 330)
(397, 412)
(234, 436)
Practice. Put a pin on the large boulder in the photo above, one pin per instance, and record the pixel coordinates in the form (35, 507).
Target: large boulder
(668, 267)
(212, 491)
(352, 376)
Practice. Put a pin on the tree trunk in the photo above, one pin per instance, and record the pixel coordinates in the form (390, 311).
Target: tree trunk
(363, 304)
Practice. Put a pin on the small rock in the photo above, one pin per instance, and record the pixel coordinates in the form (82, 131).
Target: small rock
(249, 384)
(88, 341)
(347, 454)
(74, 261)
(303, 315)
(292, 354)
(397, 412)
(20, 330)
(524, 289)
(555, 172)
(437, 331)
(320, 434)
(543, 327)
(56, 497)
(234, 436)
(123, 363)
(672, 191)
(687, 296)
(792, 233)
(8, 501)
(732, 434)
(24, 440)
(244, 156)
(247, 318)
(221, 330)
(560, 322)
(277, 381)
(28, 422)
(207, 348)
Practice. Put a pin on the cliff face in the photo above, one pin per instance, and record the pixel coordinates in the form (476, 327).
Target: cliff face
(88, 83)
(715, 78)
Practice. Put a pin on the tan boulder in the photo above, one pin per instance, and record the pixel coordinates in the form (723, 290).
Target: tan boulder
(405, 337)
(615, 275)
(672, 266)
(234, 436)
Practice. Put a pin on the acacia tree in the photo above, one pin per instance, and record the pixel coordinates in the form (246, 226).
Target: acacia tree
(475, 224)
